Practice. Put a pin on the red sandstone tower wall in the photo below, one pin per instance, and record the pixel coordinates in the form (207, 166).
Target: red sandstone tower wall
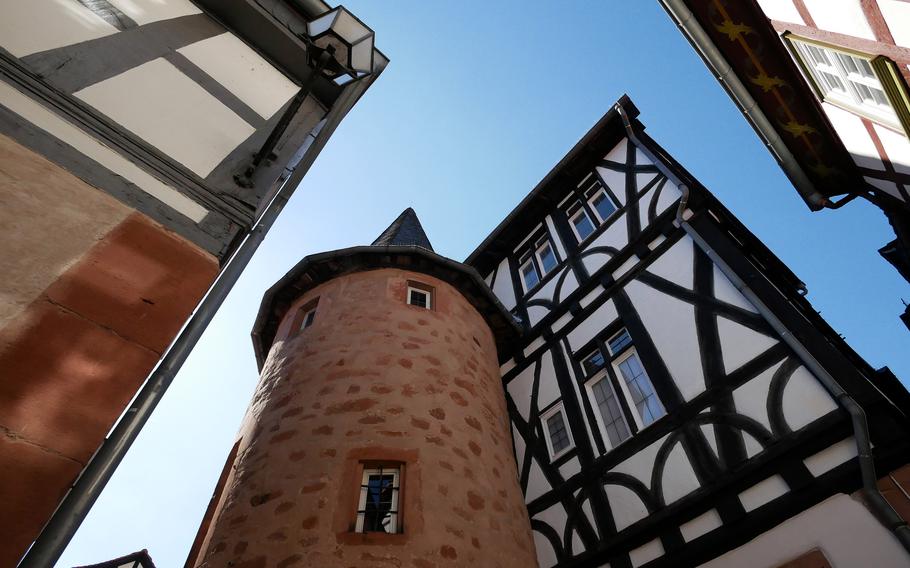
(374, 380)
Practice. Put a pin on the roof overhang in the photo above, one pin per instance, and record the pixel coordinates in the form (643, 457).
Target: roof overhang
(741, 48)
(599, 140)
(316, 269)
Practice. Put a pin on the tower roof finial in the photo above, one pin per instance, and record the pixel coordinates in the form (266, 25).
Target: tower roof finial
(404, 231)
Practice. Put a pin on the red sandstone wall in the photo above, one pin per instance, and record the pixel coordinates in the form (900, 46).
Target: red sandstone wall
(74, 357)
(375, 378)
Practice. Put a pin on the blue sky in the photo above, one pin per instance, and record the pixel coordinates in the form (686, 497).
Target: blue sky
(479, 102)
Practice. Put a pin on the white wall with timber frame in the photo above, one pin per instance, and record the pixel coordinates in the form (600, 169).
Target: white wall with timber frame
(746, 424)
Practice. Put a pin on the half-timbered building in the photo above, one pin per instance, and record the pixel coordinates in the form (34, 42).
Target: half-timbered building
(674, 399)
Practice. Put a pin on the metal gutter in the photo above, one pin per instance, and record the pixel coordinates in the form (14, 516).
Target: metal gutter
(72, 510)
(714, 60)
(874, 498)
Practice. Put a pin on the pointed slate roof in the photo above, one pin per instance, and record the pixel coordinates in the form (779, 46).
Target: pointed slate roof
(404, 231)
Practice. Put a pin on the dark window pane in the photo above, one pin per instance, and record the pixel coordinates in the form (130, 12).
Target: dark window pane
(582, 224)
(642, 391)
(619, 342)
(308, 319)
(547, 258)
(559, 436)
(614, 421)
(419, 298)
(604, 205)
(593, 363)
(529, 274)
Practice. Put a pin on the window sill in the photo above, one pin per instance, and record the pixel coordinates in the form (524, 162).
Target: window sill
(371, 538)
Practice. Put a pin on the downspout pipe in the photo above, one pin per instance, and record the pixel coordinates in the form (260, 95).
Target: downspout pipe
(714, 60)
(874, 498)
(74, 507)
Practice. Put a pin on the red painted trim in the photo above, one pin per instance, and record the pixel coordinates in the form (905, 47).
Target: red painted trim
(893, 52)
(804, 13)
(896, 53)
(876, 21)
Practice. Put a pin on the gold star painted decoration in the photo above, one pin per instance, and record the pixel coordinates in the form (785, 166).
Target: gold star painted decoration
(733, 31)
(767, 83)
(798, 129)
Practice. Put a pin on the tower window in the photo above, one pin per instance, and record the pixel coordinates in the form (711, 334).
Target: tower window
(557, 434)
(377, 509)
(306, 315)
(420, 295)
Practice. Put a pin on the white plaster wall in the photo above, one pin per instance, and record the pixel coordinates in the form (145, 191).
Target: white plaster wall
(147, 11)
(616, 236)
(671, 324)
(503, 286)
(548, 388)
(763, 492)
(570, 468)
(519, 389)
(627, 508)
(641, 464)
(537, 483)
(700, 525)
(170, 111)
(594, 324)
(896, 146)
(840, 526)
(841, 16)
(569, 285)
(781, 10)
(242, 71)
(739, 344)
(676, 264)
(679, 479)
(31, 26)
(519, 447)
(725, 291)
(751, 399)
(855, 137)
(897, 16)
(805, 400)
(831, 457)
(554, 234)
(646, 553)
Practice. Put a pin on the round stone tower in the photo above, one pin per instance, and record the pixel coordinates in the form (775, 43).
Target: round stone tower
(378, 434)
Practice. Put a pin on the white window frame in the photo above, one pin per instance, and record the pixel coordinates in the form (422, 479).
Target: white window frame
(602, 190)
(552, 411)
(581, 211)
(521, 274)
(850, 99)
(362, 501)
(427, 293)
(602, 375)
(544, 243)
(628, 352)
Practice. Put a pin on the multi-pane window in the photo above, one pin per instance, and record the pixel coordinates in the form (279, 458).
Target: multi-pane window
(377, 509)
(848, 79)
(559, 439)
(581, 223)
(593, 206)
(545, 256)
(420, 295)
(621, 393)
(537, 262)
